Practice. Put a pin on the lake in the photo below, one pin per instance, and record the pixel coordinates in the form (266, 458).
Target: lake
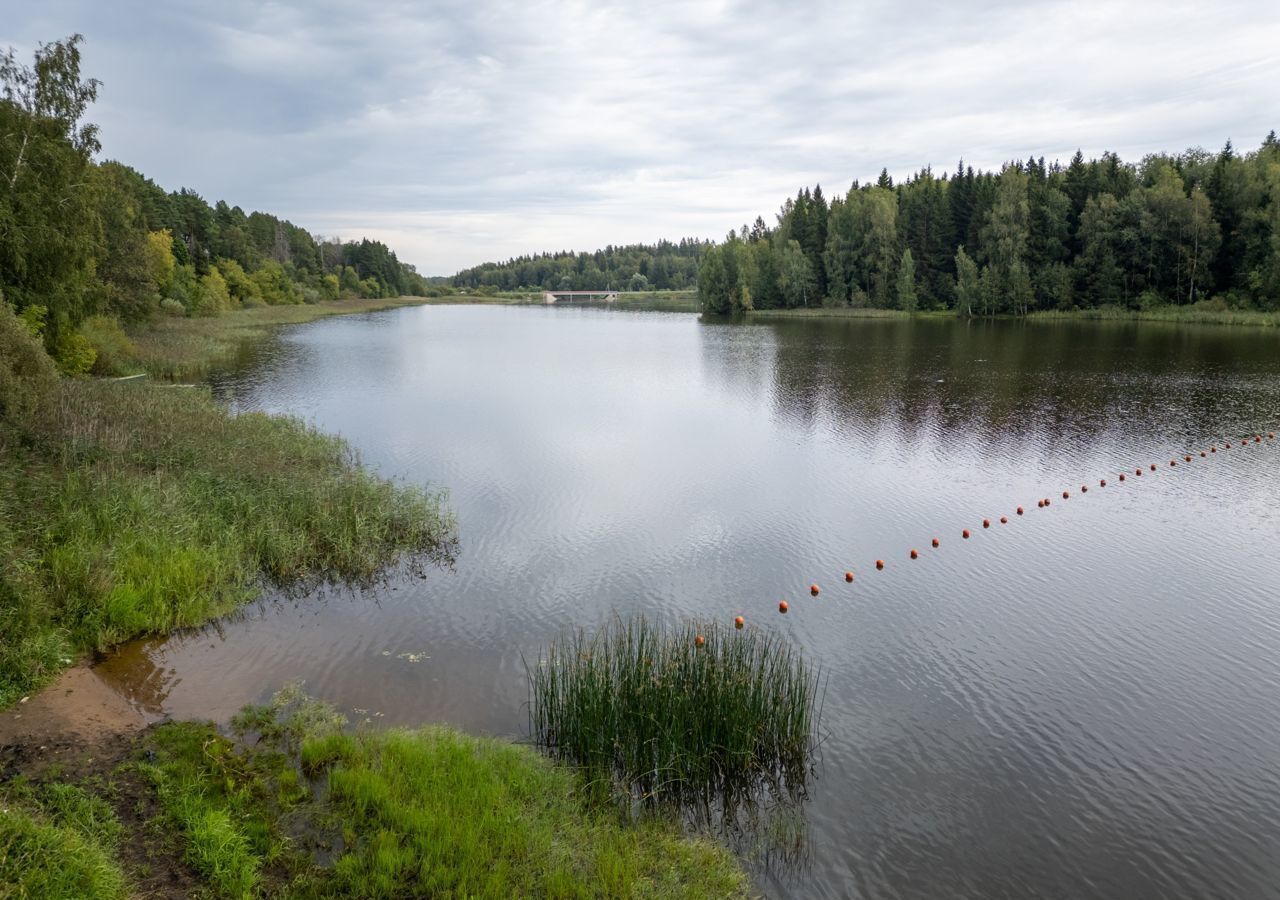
(1084, 702)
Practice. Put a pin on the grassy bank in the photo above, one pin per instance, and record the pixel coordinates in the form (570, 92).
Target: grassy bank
(128, 508)
(188, 347)
(294, 804)
(1195, 314)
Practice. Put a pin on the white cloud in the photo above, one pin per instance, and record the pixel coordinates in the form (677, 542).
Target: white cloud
(460, 132)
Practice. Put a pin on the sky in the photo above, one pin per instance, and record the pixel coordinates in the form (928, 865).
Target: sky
(461, 132)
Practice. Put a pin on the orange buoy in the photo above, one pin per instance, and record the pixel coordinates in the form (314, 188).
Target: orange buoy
(1153, 467)
(1019, 510)
(1203, 454)
(1257, 439)
(813, 589)
(699, 641)
(1065, 495)
(1186, 458)
(1227, 445)
(1137, 472)
(782, 606)
(1004, 520)
(848, 576)
(738, 622)
(986, 523)
(965, 533)
(1213, 449)
(1084, 488)
(915, 555)
(879, 563)
(1122, 476)
(1039, 504)
(1271, 435)
(1102, 483)
(1173, 462)
(935, 542)
(1046, 501)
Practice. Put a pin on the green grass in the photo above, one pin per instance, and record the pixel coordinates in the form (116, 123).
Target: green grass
(411, 813)
(128, 509)
(58, 842)
(645, 712)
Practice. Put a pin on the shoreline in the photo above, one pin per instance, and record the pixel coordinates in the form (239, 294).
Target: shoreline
(1174, 315)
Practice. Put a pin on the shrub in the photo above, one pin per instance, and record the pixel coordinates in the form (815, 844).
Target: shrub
(115, 352)
(74, 353)
(27, 374)
(171, 307)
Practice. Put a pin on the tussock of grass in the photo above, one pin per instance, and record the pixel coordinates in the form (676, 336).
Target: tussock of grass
(58, 843)
(423, 813)
(648, 712)
(127, 509)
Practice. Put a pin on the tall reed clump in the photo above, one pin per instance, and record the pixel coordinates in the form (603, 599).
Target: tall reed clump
(653, 714)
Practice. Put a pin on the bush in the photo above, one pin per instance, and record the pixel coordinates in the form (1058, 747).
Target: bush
(171, 307)
(75, 355)
(27, 374)
(115, 352)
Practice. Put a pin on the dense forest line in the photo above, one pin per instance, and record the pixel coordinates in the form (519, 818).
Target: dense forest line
(1194, 228)
(85, 246)
(663, 266)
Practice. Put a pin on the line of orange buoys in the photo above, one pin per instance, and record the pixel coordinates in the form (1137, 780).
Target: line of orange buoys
(783, 606)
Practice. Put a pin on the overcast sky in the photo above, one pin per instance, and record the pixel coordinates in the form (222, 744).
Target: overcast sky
(460, 132)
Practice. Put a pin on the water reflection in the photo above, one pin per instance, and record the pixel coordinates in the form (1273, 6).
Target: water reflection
(1080, 703)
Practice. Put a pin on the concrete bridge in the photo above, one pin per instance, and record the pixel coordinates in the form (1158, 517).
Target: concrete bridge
(570, 296)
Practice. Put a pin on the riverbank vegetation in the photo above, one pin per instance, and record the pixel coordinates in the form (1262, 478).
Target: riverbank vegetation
(294, 804)
(1195, 229)
(128, 508)
(696, 716)
(88, 247)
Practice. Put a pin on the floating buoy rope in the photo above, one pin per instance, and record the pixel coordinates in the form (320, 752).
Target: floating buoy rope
(739, 621)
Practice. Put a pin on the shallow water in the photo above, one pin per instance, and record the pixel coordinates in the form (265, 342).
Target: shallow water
(1080, 703)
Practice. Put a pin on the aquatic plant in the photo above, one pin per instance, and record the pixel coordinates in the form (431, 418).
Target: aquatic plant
(650, 714)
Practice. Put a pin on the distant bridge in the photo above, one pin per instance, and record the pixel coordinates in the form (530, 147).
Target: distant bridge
(569, 296)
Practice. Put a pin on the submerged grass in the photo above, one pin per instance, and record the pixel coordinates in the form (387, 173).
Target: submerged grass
(405, 813)
(649, 713)
(128, 509)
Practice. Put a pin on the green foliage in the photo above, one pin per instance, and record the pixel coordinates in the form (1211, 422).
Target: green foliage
(73, 353)
(907, 282)
(173, 308)
(664, 266)
(113, 351)
(211, 297)
(27, 374)
(650, 714)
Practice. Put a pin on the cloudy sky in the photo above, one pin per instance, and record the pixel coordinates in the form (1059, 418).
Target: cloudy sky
(460, 132)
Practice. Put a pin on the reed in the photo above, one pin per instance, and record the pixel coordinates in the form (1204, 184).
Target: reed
(647, 713)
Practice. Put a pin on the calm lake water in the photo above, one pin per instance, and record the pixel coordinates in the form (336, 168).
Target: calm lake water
(1084, 702)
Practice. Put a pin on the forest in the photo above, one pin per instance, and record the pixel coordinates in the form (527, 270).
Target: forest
(1196, 228)
(664, 266)
(86, 246)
